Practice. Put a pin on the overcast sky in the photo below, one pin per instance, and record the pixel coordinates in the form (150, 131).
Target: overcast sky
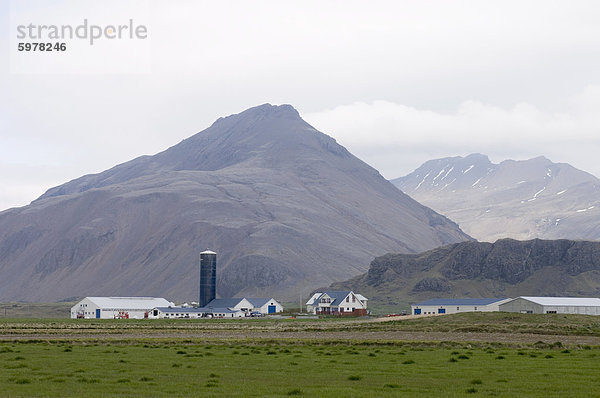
(396, 82)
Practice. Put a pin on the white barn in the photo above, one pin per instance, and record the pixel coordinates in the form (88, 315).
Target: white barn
(117, 307)
(266, 306)
(263, 305)
(453, 306)
(553, 305)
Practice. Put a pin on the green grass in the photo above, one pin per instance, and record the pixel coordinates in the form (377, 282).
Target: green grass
(459, 324)
(36, 310)
(497, 322)
(215, 358)
(308, 369)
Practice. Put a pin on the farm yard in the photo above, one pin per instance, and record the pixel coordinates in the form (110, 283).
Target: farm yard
(492, 354)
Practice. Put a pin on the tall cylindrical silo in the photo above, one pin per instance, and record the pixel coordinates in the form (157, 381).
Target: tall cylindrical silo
(208, 277)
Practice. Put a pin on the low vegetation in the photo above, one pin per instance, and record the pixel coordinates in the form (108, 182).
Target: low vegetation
(312, 357)
(35, 310)
(498, 322)
(286, 368)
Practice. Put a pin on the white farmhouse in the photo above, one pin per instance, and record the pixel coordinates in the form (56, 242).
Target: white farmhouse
(337, 303)
(117, 307)
(453, 306)
(553, 305)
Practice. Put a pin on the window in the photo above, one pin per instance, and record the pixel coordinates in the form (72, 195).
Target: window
(457, 308)
(348, 299)
(353, 299)
(550, 312)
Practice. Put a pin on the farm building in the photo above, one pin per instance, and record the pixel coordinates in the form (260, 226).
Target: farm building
(453, 306)
(117, 307)
(337, 303)
(553, 305)
(174, 312)
(240, 304)
(220, 308)
(263, 305)
(266, 305)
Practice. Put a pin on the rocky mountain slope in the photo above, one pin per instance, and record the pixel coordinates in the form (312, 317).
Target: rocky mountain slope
(506, 268)
(285, 207)
(517, 199)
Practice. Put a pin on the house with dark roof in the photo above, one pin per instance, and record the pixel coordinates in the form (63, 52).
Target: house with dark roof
(337, 303)
(454, 305)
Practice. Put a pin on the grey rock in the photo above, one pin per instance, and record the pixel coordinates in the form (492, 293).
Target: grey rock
(527, 199)
(286, 208)
(506, 268)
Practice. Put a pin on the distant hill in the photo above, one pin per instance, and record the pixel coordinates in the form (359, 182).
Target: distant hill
(526, 199)
(507, 268)
(285, 207)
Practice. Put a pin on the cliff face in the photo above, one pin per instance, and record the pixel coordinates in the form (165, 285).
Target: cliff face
(285, 207)
(506, 268)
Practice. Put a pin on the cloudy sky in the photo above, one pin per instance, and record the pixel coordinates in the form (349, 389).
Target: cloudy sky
(396, 82)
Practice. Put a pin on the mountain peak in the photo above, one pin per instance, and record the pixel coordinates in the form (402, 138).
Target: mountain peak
(521, 199)
(265, 134)
(264, 111)
(275, 197)
(478, 156)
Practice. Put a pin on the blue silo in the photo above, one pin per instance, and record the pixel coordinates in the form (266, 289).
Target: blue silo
(208, 277)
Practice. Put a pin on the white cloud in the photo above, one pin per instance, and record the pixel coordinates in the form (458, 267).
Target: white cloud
(396, 138)
(210, 59)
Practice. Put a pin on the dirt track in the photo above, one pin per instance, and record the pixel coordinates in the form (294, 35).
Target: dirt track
(352, 330)
(505, 338)
(341, 336)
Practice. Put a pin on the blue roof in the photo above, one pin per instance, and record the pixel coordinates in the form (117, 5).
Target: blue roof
(461, 301)
(337, 296)
(259, 302)
(224, 302)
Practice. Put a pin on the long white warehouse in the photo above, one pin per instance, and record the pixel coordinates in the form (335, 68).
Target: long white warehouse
(553, 305)
(453, 306)
(117, 307)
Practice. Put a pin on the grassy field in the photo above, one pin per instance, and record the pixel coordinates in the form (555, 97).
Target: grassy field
(273, 358)
(35, 310)
(497, 322)
(283, 369)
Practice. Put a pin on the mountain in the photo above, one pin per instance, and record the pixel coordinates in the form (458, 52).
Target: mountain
(506, 268)
(285, 207)
(526, 199)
